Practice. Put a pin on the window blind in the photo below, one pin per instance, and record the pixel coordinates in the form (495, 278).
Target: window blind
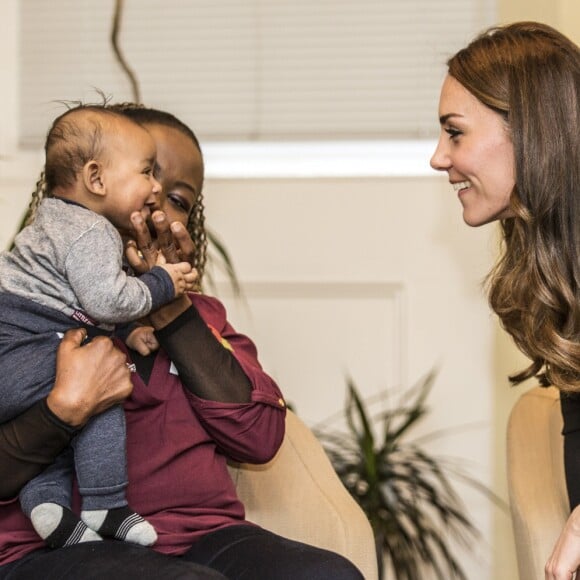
(251, 69)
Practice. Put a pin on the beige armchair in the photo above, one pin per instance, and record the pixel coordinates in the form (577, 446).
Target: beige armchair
(536, 481)
(299, 495)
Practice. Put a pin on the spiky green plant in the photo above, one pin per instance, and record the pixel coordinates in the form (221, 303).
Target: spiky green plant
(405, 492)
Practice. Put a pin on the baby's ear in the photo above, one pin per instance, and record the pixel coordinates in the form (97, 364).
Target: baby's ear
(92, 174)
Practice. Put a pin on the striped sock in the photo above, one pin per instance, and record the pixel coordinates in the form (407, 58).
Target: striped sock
(59, 527)
(122, 524)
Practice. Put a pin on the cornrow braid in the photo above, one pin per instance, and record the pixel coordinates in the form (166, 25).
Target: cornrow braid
(39, 193)
(196, 229)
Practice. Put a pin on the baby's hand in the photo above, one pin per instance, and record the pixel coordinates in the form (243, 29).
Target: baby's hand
(182, 275)
(142, 339)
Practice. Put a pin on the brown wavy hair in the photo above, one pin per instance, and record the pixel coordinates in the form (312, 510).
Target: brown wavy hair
(143, 116)
(530, 74)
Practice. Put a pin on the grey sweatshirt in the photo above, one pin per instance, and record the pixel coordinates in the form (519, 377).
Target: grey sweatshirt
(71, 259)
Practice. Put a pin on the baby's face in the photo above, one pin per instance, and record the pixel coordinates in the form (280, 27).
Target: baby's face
(128, 174)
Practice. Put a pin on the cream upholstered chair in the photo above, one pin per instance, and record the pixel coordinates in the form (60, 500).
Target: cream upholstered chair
(536, 481)
(298, 495)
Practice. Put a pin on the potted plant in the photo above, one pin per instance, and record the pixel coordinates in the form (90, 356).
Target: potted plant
(405, 492)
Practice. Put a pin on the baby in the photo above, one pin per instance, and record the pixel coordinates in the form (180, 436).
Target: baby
(66, 270)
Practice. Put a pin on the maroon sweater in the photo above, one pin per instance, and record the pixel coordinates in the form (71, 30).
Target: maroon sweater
(177, 449)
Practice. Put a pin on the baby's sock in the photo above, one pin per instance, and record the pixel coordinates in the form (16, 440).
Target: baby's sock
(59, 527)
(121, 523)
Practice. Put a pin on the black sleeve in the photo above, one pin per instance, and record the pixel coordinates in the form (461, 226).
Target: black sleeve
(28, 444)
(570, 404)
(205, 367)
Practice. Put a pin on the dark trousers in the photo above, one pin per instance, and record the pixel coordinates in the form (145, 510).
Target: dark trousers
(235, 553)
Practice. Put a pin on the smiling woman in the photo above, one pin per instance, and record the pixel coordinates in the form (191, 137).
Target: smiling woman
(510, 142)
(497, 107)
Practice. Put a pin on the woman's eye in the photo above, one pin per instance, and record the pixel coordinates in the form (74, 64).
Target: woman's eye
(453, 133)
(178, 201)
(148, 171)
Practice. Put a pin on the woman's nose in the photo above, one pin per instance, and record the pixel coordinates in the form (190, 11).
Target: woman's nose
(440, 159)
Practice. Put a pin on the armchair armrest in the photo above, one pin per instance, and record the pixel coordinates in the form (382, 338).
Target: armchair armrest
(298, 495)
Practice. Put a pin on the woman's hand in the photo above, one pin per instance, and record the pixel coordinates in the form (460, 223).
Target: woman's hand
(89, 378)
(565, 559)
(174, 243)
